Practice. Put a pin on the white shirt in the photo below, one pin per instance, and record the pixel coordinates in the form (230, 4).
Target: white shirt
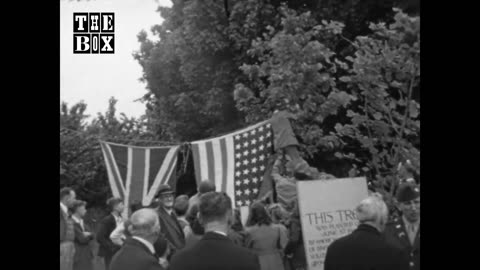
(79, 221)
(146, 243)
(117, 236)
(412, 229)
(64, 208)
(168, 211)
(118, 220)
(220, 232)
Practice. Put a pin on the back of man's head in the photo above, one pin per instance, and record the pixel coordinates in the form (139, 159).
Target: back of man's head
(181, 205)
(373, 211)
(206, 186)
(144, 224)
(215, 206)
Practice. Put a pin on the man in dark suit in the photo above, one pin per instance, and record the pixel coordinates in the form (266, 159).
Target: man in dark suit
(404, 232)
(138, 252)
(107, 248)
(170, 227)
(215, 251)
(365, 248)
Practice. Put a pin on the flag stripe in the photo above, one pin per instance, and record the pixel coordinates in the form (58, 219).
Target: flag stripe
(157, 157)
(137, 174)
(147, 174)
(116, 175)
(230, 180)
(223, 149)
(203, 162)
(111, 175)
(170, 172)
(120, 154)
(196, 163)
(211, 161)
(163, 175)
(119, 180)
(218, 160)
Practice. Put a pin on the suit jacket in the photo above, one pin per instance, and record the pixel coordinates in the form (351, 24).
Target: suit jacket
(364, 249)
(83, 259)
(171, 229)
(107, 247)
(215, 252)
(134, 255)
(66, 227)
(396, 234)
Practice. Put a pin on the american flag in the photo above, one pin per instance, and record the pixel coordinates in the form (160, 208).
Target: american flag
(236, 162)
(135, 173)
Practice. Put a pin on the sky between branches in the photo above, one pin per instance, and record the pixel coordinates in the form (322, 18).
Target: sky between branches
(94, 78)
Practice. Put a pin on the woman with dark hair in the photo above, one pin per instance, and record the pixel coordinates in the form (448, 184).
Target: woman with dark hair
(195, 231)
(236, 233)
(266, 239)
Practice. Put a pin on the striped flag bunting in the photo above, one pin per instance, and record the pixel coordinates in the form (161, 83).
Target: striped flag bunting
(135, 173)
(236, 162)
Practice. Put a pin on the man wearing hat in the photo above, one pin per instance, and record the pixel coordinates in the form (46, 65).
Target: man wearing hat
(404, 231)
(170, 227)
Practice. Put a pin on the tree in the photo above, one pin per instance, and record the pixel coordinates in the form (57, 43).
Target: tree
(360, 116)
(82, 165)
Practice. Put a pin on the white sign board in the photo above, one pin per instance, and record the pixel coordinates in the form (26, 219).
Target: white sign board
(327, 209)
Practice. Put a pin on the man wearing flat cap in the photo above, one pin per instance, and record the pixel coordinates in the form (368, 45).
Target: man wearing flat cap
(170, 227)
(404, 231)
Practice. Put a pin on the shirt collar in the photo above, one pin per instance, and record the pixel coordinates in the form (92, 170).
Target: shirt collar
(220, 232)
(77, 220)
(64, 208)
(146, 243)
(118, 218)
(406, 222)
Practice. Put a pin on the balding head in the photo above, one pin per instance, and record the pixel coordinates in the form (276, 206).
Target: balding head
(373, 211)
(144, 224)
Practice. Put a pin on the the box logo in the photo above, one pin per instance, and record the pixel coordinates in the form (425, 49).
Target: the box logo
(93, 32)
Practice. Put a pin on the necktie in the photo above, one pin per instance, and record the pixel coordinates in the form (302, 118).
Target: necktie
(411, 233)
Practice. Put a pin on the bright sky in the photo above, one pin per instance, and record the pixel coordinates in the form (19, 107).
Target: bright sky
(94, 78)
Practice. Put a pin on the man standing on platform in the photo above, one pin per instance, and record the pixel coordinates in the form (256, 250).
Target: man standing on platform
(107, 225)
(67, 231)
(170, 227)
(404, 232)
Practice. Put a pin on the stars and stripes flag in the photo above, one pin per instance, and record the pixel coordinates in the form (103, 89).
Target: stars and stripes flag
(135, 173)
(236, 162)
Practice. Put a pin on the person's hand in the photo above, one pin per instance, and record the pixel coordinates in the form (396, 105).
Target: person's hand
(87, 234)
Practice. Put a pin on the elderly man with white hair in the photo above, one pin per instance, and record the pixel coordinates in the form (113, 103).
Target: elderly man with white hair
(365, 248)
(138, 252)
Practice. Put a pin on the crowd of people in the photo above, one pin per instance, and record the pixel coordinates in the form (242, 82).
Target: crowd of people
(205, 232)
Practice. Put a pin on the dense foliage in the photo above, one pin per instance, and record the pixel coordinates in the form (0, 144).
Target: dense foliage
(348, 70)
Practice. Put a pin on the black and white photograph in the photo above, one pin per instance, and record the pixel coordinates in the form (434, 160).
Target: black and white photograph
(239, 134)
